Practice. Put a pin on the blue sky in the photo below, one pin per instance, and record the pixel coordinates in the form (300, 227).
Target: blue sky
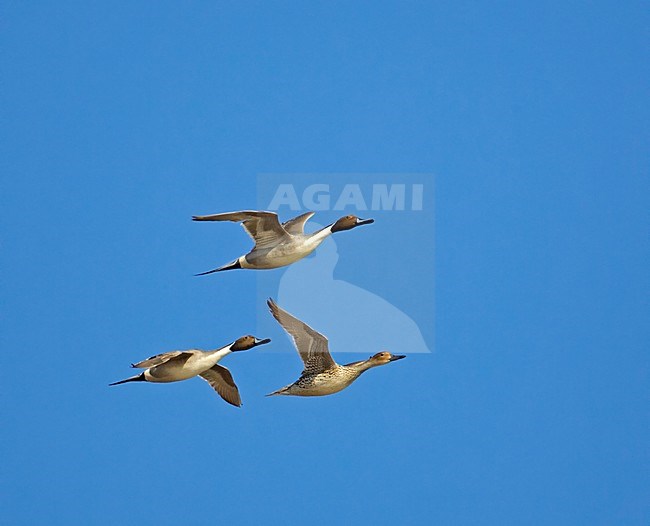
(121, 121)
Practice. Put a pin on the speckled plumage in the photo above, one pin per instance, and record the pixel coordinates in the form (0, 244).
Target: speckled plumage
(321, 375)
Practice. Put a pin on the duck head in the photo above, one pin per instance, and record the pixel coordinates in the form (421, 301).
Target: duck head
(384, 357)
(247, 342)
(350, 222)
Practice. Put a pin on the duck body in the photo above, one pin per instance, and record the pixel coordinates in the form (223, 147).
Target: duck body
(195, 363)
(288, 251)
(321, 384)
(277, 245)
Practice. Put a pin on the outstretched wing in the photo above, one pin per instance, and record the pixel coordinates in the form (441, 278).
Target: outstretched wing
(221, 381)
(162, 358)
(297, 224)
(263, 227)
(311, 345)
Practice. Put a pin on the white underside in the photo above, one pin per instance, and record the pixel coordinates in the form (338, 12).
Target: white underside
(195, 365)
(298, 247)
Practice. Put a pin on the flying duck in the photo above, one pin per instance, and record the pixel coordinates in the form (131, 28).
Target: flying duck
(278, 245)
(175, 366)
(322, 375)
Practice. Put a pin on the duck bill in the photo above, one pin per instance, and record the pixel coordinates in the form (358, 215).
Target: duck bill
(261, 342)
(396, 357)
(364, 222)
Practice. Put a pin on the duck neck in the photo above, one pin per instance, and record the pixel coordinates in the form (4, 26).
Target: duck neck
(363, 366)
(218, 354)
(322, 234)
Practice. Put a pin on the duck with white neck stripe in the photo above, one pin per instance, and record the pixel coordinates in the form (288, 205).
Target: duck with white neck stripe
(176, 366)
(278, 245)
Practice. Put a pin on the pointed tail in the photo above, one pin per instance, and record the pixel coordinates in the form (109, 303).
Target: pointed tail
(230, 266)
(283, 391)
(136, 378)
